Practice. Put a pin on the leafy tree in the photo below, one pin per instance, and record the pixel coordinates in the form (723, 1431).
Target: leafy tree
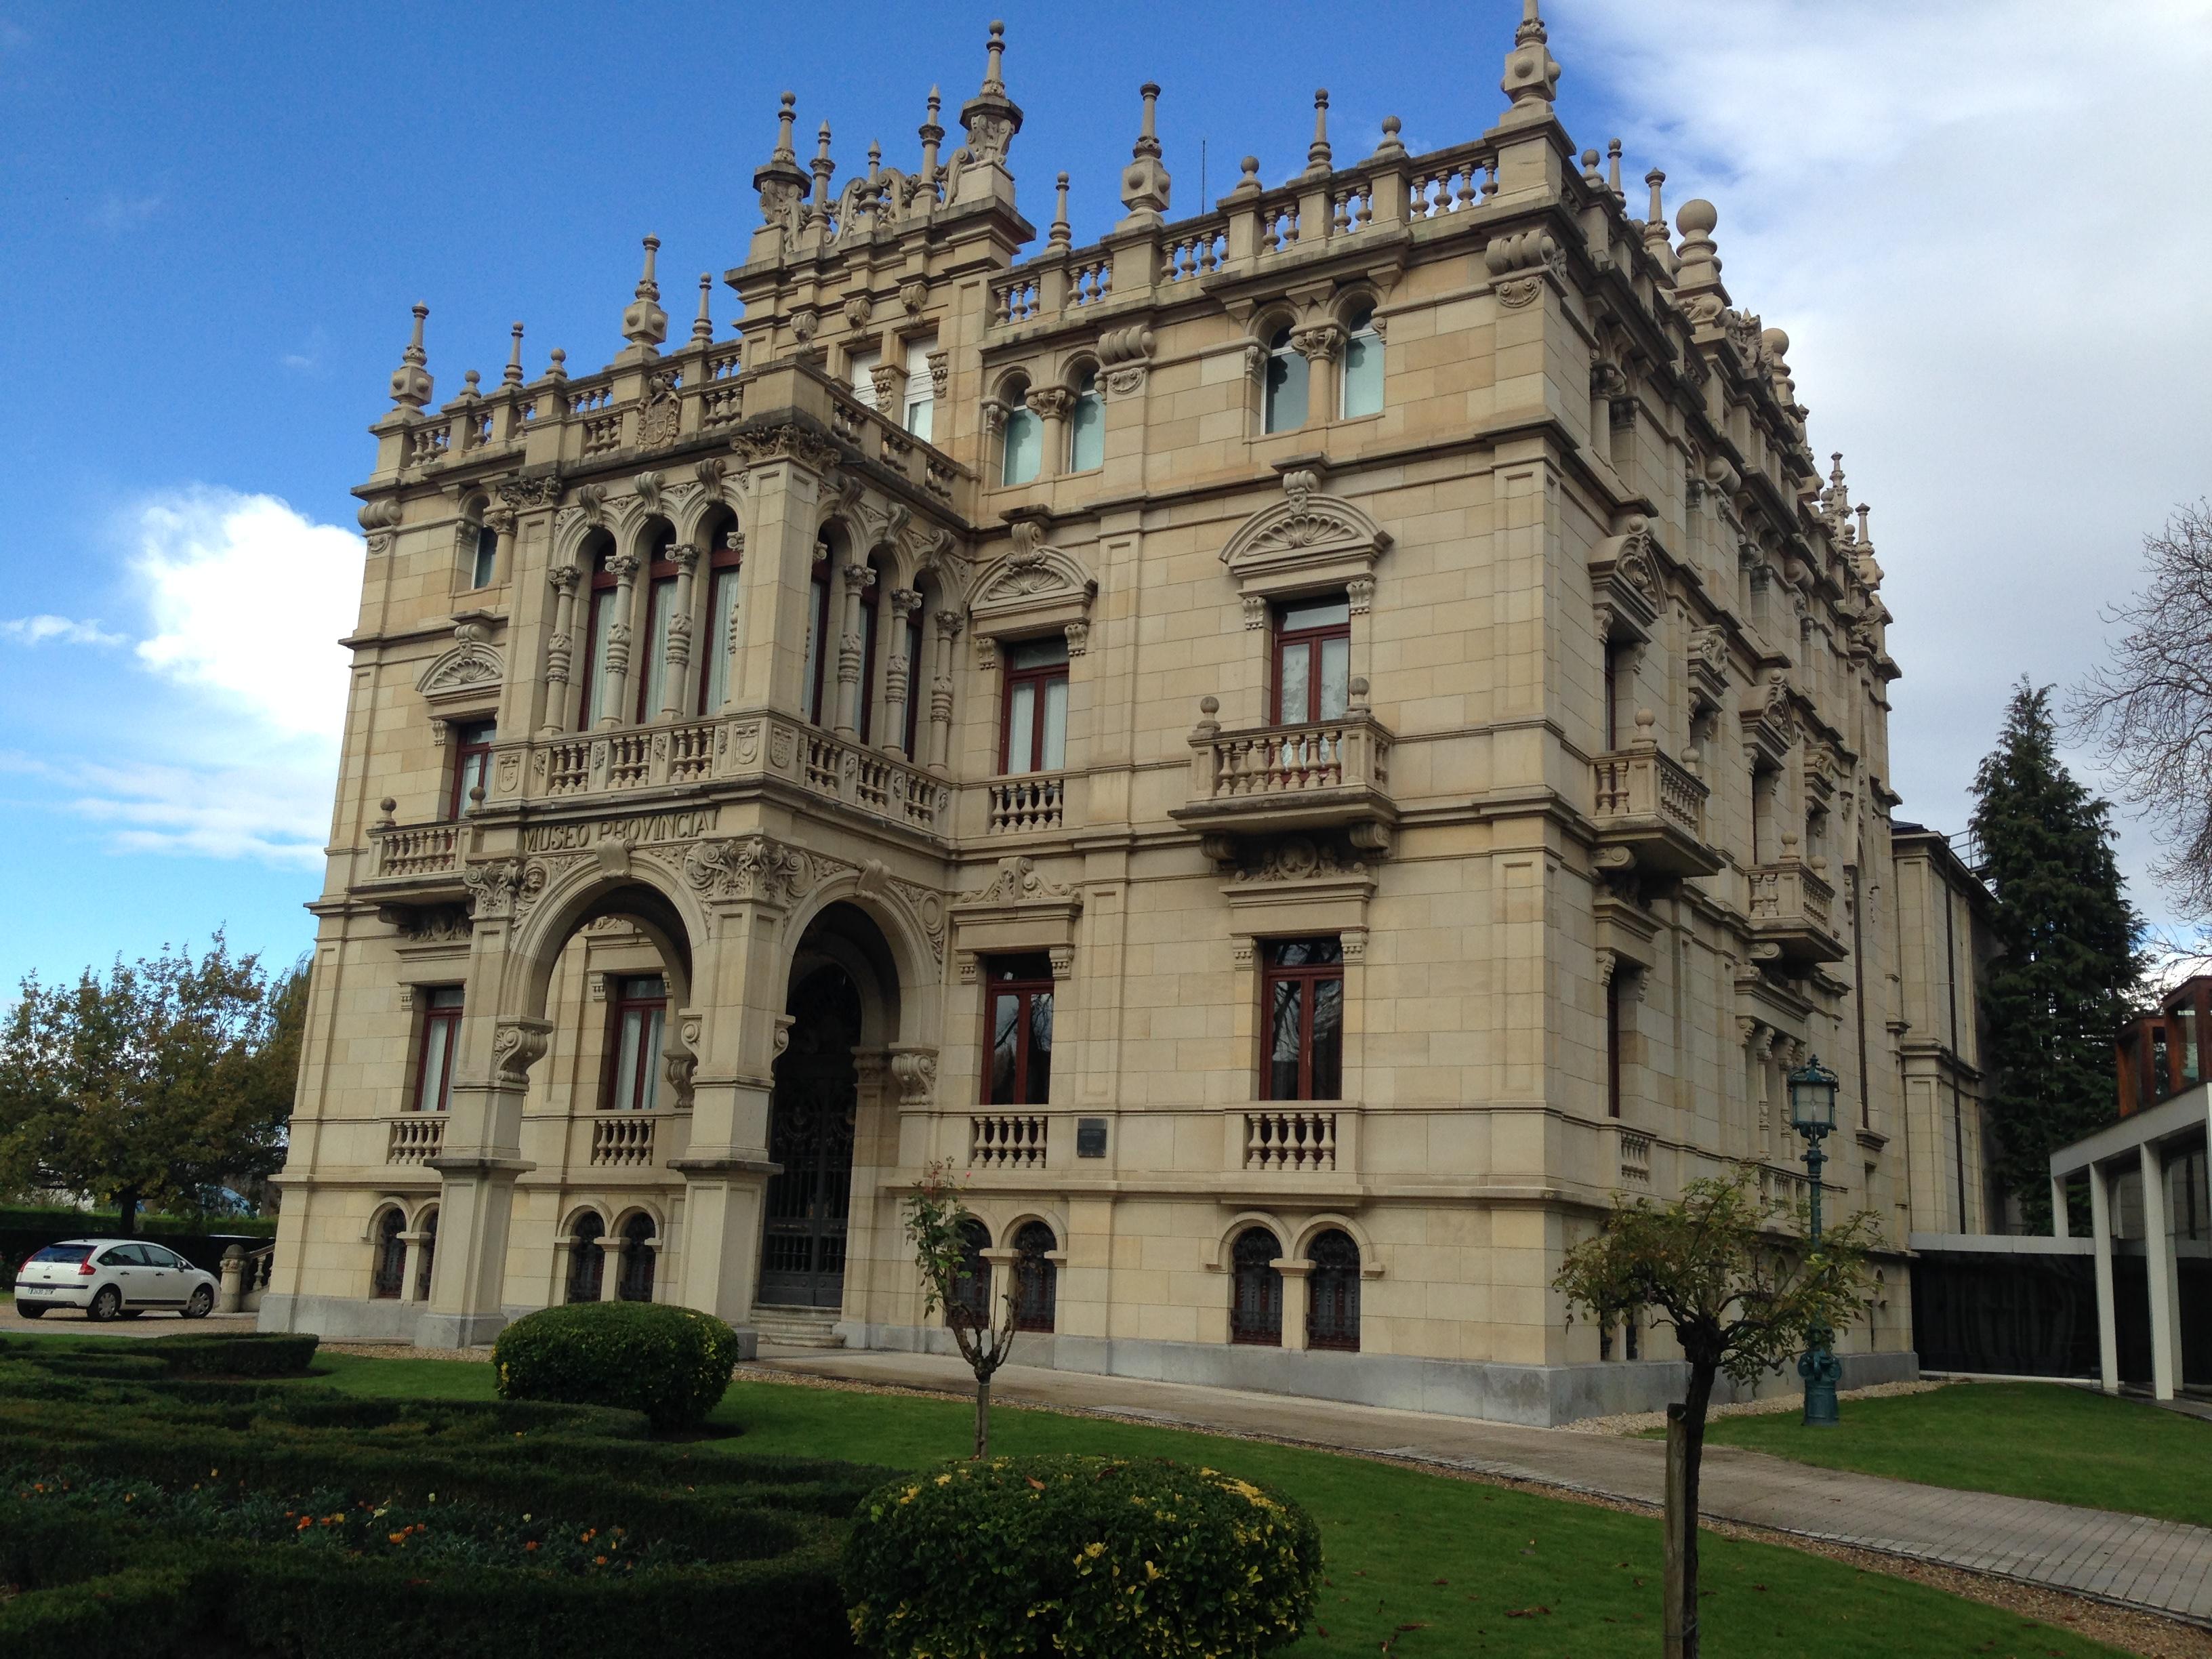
(1742, 1296)
(169, 1078)
(936, 1220)
(2056, 991)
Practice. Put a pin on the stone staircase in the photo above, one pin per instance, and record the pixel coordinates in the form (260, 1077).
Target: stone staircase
(797, 1327)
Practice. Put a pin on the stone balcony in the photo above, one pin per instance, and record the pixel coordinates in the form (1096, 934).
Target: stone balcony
(1324, 774)
(688, 766)
(1653, 808)
(1793, 911)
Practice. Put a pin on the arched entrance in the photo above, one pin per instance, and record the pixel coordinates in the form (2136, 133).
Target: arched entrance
(842, 1000)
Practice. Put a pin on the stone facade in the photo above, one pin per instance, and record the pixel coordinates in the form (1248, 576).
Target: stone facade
(698, 676)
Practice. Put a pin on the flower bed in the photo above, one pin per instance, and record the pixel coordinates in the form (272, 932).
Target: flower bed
(146, 1514)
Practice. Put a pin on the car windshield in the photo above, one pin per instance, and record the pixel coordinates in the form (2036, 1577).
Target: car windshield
(71, 1253)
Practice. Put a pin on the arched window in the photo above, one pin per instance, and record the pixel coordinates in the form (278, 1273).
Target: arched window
(1363, 365)
(1285, 406)
(1086, 426)
(598, 634)
(1256, 1314)
(389, 1270)
(971, 1305)
(638, 1253)
(586, 1261)
(485, 567)
(1022, 446)
(818, 627)
(1036, 1287)
(722, 572)
(427, 1230)
(654, 690)
(1333, 1292)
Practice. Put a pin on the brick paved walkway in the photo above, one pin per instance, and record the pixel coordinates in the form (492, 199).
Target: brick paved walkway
(2156, 1566)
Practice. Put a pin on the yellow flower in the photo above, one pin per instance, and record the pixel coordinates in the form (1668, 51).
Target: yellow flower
(1094, 1550)
(944, 1479)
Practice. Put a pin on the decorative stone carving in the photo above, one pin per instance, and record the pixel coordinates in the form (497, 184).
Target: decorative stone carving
(1296, 858)
(1033, 585)
(517, 1045)
(380, 521)
(523, 494)
(914, 1072)
(1079, 638)
(1017, 882)
(786, 441)
(660, 412)
(492, 888)
(464, 672)
(1308, 535)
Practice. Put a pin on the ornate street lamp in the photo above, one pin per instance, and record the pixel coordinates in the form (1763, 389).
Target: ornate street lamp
(1813, 1114)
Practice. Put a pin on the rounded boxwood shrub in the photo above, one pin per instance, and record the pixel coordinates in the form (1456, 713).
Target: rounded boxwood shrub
(1077, 1557)
(672, 1363)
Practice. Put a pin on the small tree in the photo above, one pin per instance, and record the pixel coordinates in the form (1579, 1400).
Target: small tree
(1742, 1296)
(170, 1078)
(937, 1221)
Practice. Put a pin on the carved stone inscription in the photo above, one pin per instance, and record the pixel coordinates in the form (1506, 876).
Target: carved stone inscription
(643, 829)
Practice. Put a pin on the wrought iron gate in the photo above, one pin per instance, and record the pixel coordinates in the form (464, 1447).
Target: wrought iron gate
(811, 1136)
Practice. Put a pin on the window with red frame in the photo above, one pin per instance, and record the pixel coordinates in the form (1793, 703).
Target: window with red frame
(1302, 989)
(1033, 714)
(641, 1014)
(1313, 660)
(1018, 1005)
(722, 574)
(818, 631)
(598, 635)
(441, 1043)
(472, 765)
(653, 688)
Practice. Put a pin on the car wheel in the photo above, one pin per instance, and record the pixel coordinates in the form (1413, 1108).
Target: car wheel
(200, 1305)
(30, 1313)
(105, 1306)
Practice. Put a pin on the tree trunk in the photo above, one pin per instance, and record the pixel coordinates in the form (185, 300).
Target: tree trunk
(1685, 1447)
(982, 1415)
(127, 1222)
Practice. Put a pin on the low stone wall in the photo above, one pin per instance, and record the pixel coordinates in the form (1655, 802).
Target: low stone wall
(1537, 1396)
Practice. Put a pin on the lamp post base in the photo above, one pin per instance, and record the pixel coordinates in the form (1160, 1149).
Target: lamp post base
(1821, 1370)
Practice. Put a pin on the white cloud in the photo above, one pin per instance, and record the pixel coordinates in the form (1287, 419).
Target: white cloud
(117, 213)
(248, 600)
(38, 630)
(1967, 222)
(234, 752)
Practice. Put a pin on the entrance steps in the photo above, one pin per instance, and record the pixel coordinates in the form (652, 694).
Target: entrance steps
(797, 1327)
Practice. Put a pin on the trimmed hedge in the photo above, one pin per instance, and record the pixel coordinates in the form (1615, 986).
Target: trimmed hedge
(253, 1353)
(672, 1363)
(1080, 1557)
(735, 1550)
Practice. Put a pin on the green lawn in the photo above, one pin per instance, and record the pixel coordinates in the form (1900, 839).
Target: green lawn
(1417, 1564)
(2027, 1439)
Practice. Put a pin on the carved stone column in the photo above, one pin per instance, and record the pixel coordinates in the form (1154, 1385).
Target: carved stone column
(1321, 346)
(898, 671)
(1051, 405)
(624, 566)
(949, 623)
(611, 1248)
(501, 521)
(559, 651)
(859, 578)
(675, 692)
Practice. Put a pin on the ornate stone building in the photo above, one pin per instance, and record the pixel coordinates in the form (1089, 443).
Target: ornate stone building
(1307, 746)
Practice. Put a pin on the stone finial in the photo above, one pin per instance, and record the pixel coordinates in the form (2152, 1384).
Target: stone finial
(411, 381)
(702, 327)
(1392, 146)
(780, 182)
(1613, 170)
(1699, 270)
(645, 324)
(995, 61)
(991, 118)
(1145, 182)
(1591, 176)
(513, 376)
(1063, 234)
(471, 384)
(932, 135)
(557, 365)
(823, 168)
(1532, 75)
(1318, 155)
(1248, 180)
(1657, 242)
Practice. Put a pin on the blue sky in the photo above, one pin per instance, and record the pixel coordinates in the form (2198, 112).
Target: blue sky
(219, 215)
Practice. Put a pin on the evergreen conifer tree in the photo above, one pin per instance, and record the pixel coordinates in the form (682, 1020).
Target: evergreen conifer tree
(2056, 992)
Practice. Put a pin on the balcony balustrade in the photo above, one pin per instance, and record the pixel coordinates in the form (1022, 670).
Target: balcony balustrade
(1793, 912)
(1653, 808)
(1020, 806)
(416, 1138)
(1319, 775)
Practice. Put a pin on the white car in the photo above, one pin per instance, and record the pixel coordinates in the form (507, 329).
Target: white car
(112, 1279)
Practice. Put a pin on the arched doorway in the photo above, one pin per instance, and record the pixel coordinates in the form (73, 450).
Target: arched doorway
(843, 991)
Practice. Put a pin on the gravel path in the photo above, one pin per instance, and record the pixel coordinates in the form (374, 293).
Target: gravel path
(1773, 1406)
